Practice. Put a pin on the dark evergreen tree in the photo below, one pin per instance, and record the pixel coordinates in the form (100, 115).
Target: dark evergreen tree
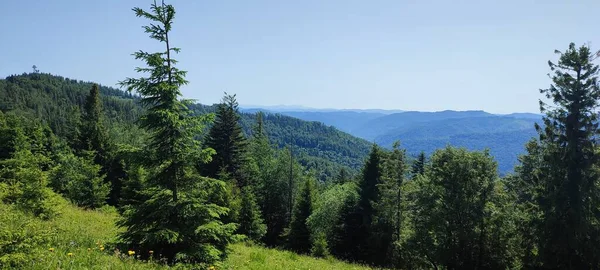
(299, 237)
(342, 177)
(348, 239)
(93, 135)
(357, 223)
(570, 196)
(180, 217)
(388, 218)
(275, 194)
(251, 223)
(418, 166)
(227, 139)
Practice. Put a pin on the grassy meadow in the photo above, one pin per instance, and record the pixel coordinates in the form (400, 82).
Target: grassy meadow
(80, 239)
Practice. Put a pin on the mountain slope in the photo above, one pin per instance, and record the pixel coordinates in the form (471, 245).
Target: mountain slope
(58, 100)
(388, 123)
(504, 136)
(346, 121)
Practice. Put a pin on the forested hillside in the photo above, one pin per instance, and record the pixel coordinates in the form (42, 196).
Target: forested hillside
(58, 101)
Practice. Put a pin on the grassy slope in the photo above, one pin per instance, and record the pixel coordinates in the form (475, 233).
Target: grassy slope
(76, 230)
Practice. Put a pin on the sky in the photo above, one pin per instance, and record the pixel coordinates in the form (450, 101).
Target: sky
(382, 54)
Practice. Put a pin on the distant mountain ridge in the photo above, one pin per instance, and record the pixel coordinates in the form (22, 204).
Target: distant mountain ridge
(504, 134)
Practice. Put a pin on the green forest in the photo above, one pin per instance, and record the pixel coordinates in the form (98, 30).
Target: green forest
(181, 185)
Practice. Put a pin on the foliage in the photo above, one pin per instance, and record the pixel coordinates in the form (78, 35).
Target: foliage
(250, 220)
(299, 238)
(180, 216)
(25, 185)
(226, 138)
(455, 218)
(563, 187)
(389, 210)
(92, 133)
(79, 179)
(418, 166)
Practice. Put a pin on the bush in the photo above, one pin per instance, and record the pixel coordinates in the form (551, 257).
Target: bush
(319, 246)
(78, 178)
(25, 185)
(21, 237)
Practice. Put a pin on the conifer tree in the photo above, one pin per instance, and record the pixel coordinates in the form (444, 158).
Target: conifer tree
(227, 139)
(570, 195)
(180, 217)
(418, 166)
(249, 218)
(355, 228)
(93, 135)
(388, 217)
(342, 177)
(299, 237)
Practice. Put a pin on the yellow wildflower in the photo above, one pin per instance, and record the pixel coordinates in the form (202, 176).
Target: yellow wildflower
(51, 249)
(211, 268)
(69, 254)
(131, 252)
(101, 248)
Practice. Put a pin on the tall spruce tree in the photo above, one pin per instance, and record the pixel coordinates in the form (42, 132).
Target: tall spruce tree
(251, 223)
(342, 177)
(299, 237)
(180, 217)
(93, 135)
(354, 237)
(388, 217)
(418, 166)
(570, 195)
(227, 138)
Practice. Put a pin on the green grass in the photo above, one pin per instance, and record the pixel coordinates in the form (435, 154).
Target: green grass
(253, 257)
(26, 242)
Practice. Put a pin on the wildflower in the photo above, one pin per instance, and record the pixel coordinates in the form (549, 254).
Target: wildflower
(51, 249)
(101, 248)
(131, 252)
(151, 252)
(211, 268)
(70, 254)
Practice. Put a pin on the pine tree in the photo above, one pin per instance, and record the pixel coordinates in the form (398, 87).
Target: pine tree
(227, 139)
(418, 166)
(388, 217)
(348, 233)
(355, 235)
(180, 218)
(299, 237)
(342, 177)
(570, 194)
(275, 193)
(249, 218)
(93, 135)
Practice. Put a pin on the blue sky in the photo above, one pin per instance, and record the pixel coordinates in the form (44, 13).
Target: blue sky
(409, 55)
